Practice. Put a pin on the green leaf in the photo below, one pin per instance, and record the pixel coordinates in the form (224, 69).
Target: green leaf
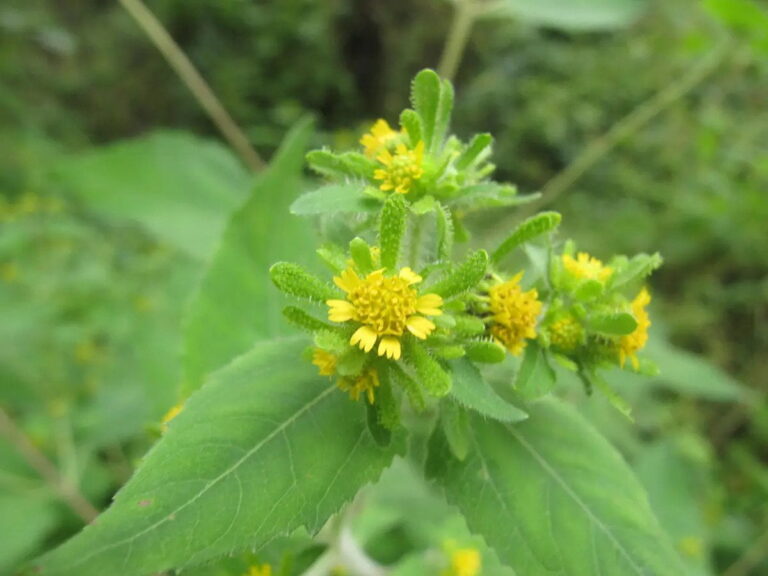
(235, 304)
(593, 380)
(296, 281)
(486, 351)
(32, 519)
(572, 15)
(361, 255)
(527, 230)
(613, 323)
(472, 391)
(478, 148)
(179, 188)
(552, 496)
(332, 199)
(432, 377)
(445, 232)
(536, 377)
(409, 386)
(455, 424)
(411, 121)
(465, 277)
(266, 447)
(432, 99)
(349, 164)
(391, 230)
(636, 269)
(302, 319)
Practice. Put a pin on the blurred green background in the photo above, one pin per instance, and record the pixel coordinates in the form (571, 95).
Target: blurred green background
(115, 186)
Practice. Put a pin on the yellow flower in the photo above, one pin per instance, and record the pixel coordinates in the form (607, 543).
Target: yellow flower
(631, 343)
(566, 333)
(263, 570)
(170, 415)
(379, 137)
(385, 307)
(325, 362)
(464, 562)
(400, 170)
(365, 383)
(514, 314)
(585, 267)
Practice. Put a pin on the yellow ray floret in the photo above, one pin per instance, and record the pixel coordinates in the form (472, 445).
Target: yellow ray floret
(585, 267)
(401, 169)
(514, 314)
(379, 137)
(366, 383)
(630, 344)
(385, 307)
(325, 362)
(464, 562)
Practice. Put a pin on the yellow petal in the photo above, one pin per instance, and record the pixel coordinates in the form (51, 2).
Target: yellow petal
(410, 276)
(385, 158)
(340, 310)
(419, 326)
(390, 347)
(429, 304)
(347, 281)
(365, 337)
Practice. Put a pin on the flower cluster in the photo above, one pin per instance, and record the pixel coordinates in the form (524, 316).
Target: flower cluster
(401, 314)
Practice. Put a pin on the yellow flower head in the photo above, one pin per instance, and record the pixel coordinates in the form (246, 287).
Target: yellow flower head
(631, 343)
(464, 562)
(514, 314)
(566, 333)
(385, 307)
(170, 415)
(365, 383)
(325, 362)
(380, 136)
(263, 570)
(401, 169)
(585, 267)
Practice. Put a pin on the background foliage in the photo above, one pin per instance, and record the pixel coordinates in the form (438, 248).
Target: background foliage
(114, 192)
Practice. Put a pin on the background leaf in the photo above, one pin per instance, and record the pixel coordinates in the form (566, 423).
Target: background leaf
(178, 187)
(236, 303)
(572, 15)
(567, 500)
(334, 198)
(266, 447)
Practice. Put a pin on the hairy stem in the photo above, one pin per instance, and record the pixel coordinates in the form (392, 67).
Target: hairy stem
(200, 89)
(67, 492)
(458, 35)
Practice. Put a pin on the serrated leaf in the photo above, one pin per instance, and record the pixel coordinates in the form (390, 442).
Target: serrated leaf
(485, 351)
(445, 232)
(527, 230)
(236, 304)
(488, 195)
(391, 230)
(472, 391)
(332, 199)
(613, 323)
(266, 447)
(347, 165)
(566, 500)
(465, 277)
(409, 386)
(411, 121)
(573, 15)
(638, 268)
(294, 280)
(535, 377)
(179, 188)
(302, 319)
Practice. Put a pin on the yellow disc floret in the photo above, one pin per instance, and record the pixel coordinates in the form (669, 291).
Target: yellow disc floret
(566, 334)
(464, 562)
(325, 362)
(401, 169)
(630, 344)
(586, 267)
(365, 383)
(514, 314)
(380, 136)
(385, 307)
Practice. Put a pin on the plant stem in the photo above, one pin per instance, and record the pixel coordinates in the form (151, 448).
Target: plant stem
(37, 460)
(626, 127)
(456, 42)
(200, 89)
